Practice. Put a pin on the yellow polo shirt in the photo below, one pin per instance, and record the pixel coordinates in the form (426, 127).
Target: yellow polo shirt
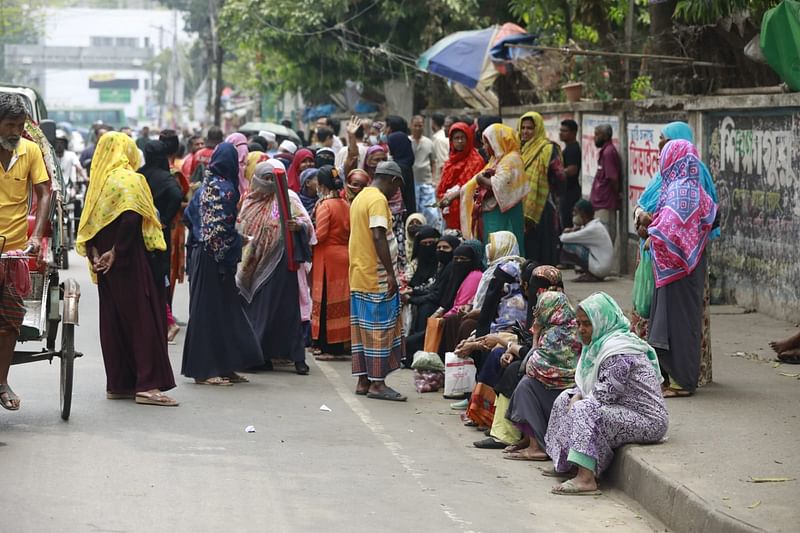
(370, 210)
(26, 168)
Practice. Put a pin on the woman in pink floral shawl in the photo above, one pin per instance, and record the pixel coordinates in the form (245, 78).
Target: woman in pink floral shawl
(679, 233)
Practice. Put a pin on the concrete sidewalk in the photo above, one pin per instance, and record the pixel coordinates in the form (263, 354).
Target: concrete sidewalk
(742, 426)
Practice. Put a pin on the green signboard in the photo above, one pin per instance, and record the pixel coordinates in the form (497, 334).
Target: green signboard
(115, 96)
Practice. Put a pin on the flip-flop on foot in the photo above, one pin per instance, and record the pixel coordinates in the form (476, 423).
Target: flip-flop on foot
(568, 488)
(215, 381)
(387, 394)
(676, 393)
(7, 398)
(516, 456)
(489, 443)
(552, 472)
(155, 398)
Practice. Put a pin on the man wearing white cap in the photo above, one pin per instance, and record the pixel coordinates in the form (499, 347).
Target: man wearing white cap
(288, 147)
(272, 141)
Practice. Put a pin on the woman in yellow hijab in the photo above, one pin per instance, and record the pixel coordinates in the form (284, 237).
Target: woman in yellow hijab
(118, 227)
(493, 200)
(544, 172)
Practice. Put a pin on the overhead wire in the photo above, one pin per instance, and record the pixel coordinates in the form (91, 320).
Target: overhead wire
(316, 32)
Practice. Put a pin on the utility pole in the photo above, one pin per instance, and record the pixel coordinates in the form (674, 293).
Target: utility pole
(174, 74)
(218, 52)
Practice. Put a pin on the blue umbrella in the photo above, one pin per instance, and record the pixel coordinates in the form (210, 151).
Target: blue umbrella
(464, 56)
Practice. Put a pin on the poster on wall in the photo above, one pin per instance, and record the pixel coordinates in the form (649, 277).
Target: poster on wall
(590, 151)
(754, 159)
(642, 162)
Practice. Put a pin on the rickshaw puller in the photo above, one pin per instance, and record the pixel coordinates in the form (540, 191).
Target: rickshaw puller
(21, 164)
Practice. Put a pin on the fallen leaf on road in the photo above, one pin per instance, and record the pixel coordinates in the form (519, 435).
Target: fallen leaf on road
(754, 505)
(789, 375)
(770, 479)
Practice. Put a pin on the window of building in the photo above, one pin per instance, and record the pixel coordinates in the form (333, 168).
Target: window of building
(101, 41)
(127, 42)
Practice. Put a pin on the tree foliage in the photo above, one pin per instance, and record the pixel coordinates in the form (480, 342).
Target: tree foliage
(711, 11)
(20, 23)
(315, 46)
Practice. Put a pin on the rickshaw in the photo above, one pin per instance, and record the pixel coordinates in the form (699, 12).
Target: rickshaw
(43, 304)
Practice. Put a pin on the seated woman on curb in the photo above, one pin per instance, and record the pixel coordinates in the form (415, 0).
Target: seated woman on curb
(504, 309)
(426, 300)
(502, 248)
(549, 369)
(617, 399)
(507, 360)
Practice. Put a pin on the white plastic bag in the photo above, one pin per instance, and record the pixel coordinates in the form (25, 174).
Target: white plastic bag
(459, 375)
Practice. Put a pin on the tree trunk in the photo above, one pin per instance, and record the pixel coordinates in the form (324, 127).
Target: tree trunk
(661, 39)
(567, 19)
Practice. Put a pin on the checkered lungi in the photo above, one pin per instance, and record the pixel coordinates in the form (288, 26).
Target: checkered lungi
(376, 334)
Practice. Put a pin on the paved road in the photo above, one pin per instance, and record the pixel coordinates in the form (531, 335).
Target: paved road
(364, 466)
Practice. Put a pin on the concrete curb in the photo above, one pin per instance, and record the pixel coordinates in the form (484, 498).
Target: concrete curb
(676, 505)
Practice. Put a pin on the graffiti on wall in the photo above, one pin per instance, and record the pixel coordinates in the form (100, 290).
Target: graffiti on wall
(642, 162)
(755, 160)
(589, 151)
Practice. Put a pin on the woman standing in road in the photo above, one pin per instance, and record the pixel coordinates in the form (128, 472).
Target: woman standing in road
(118, 227)
(330, 322)
(219, 337)
(278, 227)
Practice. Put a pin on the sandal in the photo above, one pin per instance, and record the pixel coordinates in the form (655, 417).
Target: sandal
(489, 443)
(568, 488)
(513, 448)
(173, 331)
(316, 351)
(329, 357)
(516, 456)
(387, 394)
(552, 472)
(216, 381)
(155, 398)
(237, 378)
(7, 398)
(675, 393)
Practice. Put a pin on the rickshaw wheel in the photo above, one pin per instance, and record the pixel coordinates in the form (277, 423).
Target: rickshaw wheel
(67, 363)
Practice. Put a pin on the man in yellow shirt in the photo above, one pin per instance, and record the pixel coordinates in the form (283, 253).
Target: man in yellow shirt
(21, 166)
(376, 330)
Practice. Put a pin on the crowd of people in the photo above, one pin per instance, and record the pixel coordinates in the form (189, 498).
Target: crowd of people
(353, 250)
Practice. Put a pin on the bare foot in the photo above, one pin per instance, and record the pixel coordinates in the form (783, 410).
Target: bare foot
(363, 385)
(792, 353)
(786, 344)
(529, 454)
(521, 445)
(583, 482)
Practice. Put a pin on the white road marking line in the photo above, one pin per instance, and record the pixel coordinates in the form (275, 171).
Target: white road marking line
(394, 447)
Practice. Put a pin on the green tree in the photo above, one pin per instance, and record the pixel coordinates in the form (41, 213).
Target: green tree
(20, 23)
(711, 11)
(316, 45)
